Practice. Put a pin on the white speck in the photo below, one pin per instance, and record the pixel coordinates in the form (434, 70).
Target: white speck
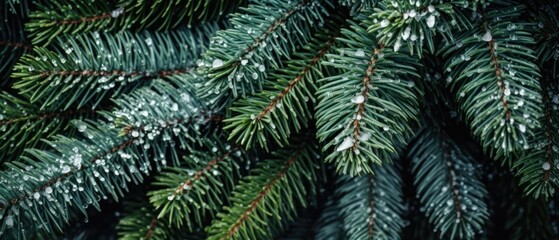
(10, 221)
(444, 189)
(358, 99)
(82, 127)
(546, 166)
(175, 107)
(397, 45)
(171, 197)
(254, 75)
(385, 128)
(520, 103)
(149, 41)
(359, 53)
(48, 190)
(261, 68)
(487, 36)
(364, 137)
(117, 12)
(412, 13)
(384, 23)
(36, 195)
(522, 127)
(430, 21)
(135, 133)
(217, 63)
(347, 143)
(406, 33)
(65, 169)
(431, 8)
(507, 92)
(244, 62)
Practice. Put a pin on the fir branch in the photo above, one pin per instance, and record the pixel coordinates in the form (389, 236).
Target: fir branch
(236, 63)
(22, 125)
(87, 69)
(368, 106)
(102, 158)
(280, 109)
(206, 180)
(448, 184)
(58, 17)
(170, 14)
(53, 18)
(267, 198)
(412, 23)
(371, 205)
(538, 166)
(496, 88)
(140, 222)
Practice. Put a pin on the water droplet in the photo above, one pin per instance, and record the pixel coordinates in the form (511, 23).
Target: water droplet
(9, 221)
(487, 36)
(148, 41)
(384, 23)
(217, 63)
(48, 190)
(36, 195)
(135, 133)
(360, 53)
(397, 45)
(82, 127)
(358, 99)
(430, 21)
(431, 8)
(347, 143)
(406, 33)
(244, 62)
(522, 127)
(117, 12)
(546, 166)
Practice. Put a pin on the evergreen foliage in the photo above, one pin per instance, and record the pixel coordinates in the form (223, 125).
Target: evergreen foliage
(272, 119)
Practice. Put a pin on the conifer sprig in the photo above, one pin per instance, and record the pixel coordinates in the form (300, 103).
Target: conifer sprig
(262, 119)
(76, 173)
(448, 184)
(268, 198)
(205, 181)
(239, 58)
(87, 69)
(371, 205)
(492, 73)
(375, 102)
